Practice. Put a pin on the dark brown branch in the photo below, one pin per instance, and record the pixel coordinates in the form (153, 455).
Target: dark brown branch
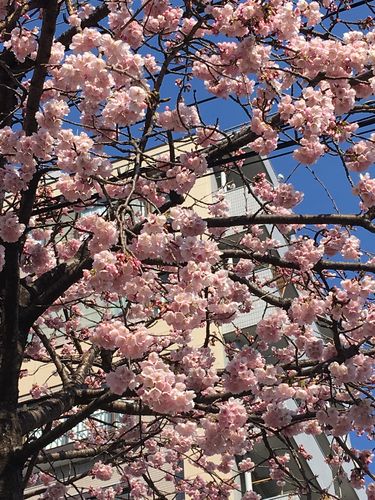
(70, 454)
(70, 422)
(98, 14)
(61, 369)
(34, 414)
(278, 262)
(41, 413)
(268, 297)
(11, 343)
(58, 282)
(85, 365)
(247, 220)
(43, 56)
(35, 93)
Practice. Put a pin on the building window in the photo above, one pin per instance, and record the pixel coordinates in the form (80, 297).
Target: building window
(230, 176)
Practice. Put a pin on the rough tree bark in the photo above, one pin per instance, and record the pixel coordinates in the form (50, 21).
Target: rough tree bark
(13, 333)
(11, 466)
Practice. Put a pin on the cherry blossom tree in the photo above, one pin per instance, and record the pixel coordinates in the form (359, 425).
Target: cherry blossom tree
(88, 88)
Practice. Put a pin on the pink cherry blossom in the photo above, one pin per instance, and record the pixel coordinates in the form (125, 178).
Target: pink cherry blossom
(54, 491)
(188, 222)
(366, 190)
(179, 121)
(120, 380)
(304, 253)
(161, 389)
(277, 416)
(102, 471)
(269, 329)
(38, 391)
(10, 228)
(103, 233)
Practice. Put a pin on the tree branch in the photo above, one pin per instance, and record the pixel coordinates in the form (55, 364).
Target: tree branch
(247, 220)
(59, 280)
(70, 422)
(61, 369)
(44, 412)
(268, 297)
(99, 13)
(278, 262)
(43, 56)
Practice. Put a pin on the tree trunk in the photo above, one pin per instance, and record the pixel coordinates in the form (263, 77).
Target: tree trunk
(11, 487)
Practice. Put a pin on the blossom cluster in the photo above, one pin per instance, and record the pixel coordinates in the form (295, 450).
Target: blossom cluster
(113, 334)
(161, 389)
(10, 227)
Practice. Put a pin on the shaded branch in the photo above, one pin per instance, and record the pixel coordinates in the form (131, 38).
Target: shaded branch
(44, 412)
(11, 342)
(70, 454)
(67, 425)
(85, 365)
(56, 283)
(34, 414)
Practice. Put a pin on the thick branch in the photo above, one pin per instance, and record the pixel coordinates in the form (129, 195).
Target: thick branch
(11, 345)
(278, 262)
(66, 426)
(46, 458)
(35, 414)
(44, 412)
(59, 280)
(247, 220)
(99, 13)
(236, 141)
(85, 365)
(33, 100)
(42, 59)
